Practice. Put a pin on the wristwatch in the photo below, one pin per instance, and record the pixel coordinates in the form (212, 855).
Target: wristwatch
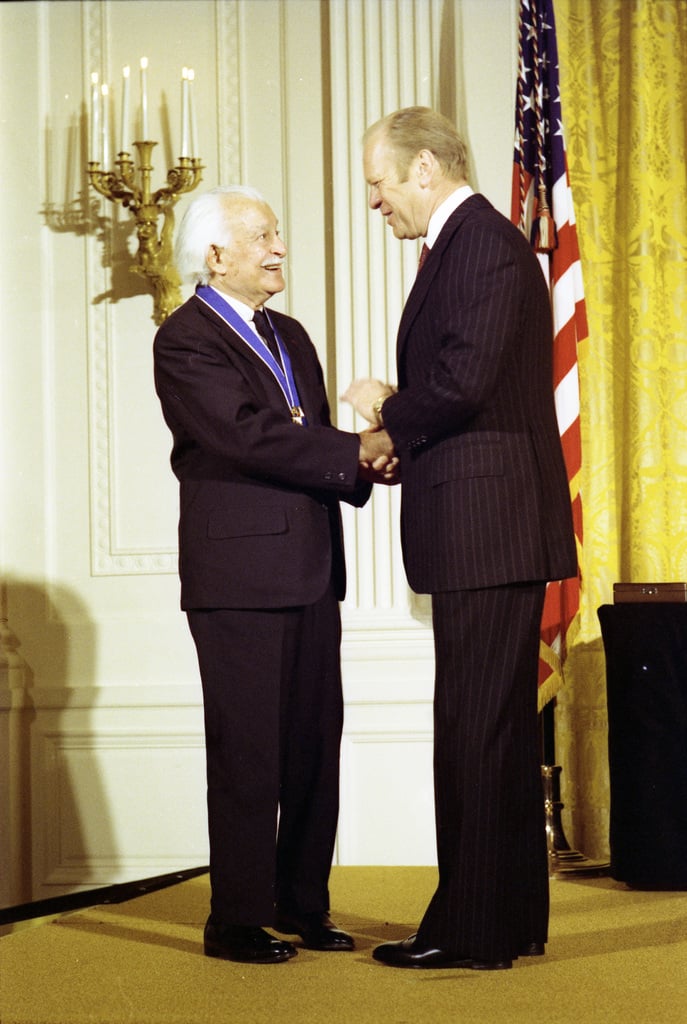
(377, 409)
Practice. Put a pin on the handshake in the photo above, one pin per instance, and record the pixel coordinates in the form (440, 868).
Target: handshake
(378, 460)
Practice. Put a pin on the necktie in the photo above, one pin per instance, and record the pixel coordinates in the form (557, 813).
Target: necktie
(423, 256)
(266, 332)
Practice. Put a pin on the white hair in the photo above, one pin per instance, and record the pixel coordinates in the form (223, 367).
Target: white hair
(204, 224)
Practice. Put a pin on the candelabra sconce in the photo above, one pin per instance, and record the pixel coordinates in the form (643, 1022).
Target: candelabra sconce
(132, 188)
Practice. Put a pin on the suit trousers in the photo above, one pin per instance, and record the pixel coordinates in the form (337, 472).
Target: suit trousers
(273, 719)
(493, 895)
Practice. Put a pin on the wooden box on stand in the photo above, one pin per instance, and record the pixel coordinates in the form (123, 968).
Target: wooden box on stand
(635, 593)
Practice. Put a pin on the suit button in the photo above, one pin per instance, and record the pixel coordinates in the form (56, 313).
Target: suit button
(342, 477)
(328, 476)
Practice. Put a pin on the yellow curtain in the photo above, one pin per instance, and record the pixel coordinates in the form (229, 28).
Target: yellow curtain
(623, 73)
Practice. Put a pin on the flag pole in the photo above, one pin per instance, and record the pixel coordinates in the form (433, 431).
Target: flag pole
(564, 861)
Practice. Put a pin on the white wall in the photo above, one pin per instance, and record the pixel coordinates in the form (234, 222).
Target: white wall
(101, 745)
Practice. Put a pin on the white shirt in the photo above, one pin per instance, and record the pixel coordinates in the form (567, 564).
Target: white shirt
(244, 311)
(444, 211)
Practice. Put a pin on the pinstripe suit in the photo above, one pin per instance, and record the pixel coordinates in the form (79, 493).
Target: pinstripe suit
(485, 522)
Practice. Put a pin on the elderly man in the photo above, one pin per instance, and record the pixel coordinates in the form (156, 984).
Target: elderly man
(485, 520)
(261, 471)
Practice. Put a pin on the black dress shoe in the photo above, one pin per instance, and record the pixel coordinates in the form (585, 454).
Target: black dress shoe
(316, 930)
(245, 945)
(409, 954)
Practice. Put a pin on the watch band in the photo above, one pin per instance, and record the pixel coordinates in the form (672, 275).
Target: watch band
(377, 409)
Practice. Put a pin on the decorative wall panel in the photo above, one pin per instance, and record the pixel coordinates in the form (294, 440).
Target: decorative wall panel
(118, 804)
(133, 496)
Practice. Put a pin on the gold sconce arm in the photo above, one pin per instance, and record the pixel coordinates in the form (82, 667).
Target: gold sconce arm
(131, 188)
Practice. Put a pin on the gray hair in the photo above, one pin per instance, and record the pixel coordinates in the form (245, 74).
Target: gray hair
(414, 128)
(206, 223)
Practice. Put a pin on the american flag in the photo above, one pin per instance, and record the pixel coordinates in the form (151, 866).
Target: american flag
(542, 207)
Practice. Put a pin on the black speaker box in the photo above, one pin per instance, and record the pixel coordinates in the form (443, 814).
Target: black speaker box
(646, 681)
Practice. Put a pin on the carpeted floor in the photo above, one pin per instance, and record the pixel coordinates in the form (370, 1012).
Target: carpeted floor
(614, 956)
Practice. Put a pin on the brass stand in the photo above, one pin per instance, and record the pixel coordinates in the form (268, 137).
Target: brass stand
(155, 256)
(564, 862)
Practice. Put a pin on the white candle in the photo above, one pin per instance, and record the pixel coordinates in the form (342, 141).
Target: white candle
(192, 112)
(72, 164)
(106, 125)
(95, 116)
(49, 164)
(184, 112)
(144, 99)
(124, 140)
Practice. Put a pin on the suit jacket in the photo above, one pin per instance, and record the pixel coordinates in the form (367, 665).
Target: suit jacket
(485, 498)
(259, 522)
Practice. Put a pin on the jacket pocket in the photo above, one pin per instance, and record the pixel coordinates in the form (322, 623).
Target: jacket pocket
(243, 522)
(466, 461)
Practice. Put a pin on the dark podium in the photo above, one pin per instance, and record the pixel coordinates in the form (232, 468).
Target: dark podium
(646, 680)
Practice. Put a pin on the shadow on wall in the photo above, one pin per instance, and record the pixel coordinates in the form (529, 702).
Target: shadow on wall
(51, 795)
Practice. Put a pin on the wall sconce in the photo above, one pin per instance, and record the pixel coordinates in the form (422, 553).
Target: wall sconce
(131, 185)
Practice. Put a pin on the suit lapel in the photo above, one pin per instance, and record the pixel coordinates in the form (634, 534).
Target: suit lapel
(233, 339)
(302, 370)
(430, 269)
(298, 364)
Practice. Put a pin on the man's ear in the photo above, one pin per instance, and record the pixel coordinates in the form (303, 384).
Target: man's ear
(426, 165)
(215, 259)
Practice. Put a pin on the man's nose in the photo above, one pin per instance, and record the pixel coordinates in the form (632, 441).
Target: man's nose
(375, 200)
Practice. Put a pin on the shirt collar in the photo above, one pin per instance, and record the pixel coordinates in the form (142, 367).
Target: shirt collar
(444, 211)
(243, 310)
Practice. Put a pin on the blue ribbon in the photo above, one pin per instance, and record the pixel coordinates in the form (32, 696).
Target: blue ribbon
(283, 374)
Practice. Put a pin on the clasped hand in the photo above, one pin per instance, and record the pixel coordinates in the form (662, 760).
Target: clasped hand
(378, 460)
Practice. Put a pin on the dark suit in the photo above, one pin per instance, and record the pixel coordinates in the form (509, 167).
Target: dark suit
(262, 569)
(486, 520)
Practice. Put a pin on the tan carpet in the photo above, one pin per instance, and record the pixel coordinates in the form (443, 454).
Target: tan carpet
(614, 956)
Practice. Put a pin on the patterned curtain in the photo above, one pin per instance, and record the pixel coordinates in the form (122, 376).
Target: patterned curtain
(623, 73)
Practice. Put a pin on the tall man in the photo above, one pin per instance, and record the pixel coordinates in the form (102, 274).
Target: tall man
(261, 562)
(485, 522)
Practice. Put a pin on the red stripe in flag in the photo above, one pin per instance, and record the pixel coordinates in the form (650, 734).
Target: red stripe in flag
(543, 209)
